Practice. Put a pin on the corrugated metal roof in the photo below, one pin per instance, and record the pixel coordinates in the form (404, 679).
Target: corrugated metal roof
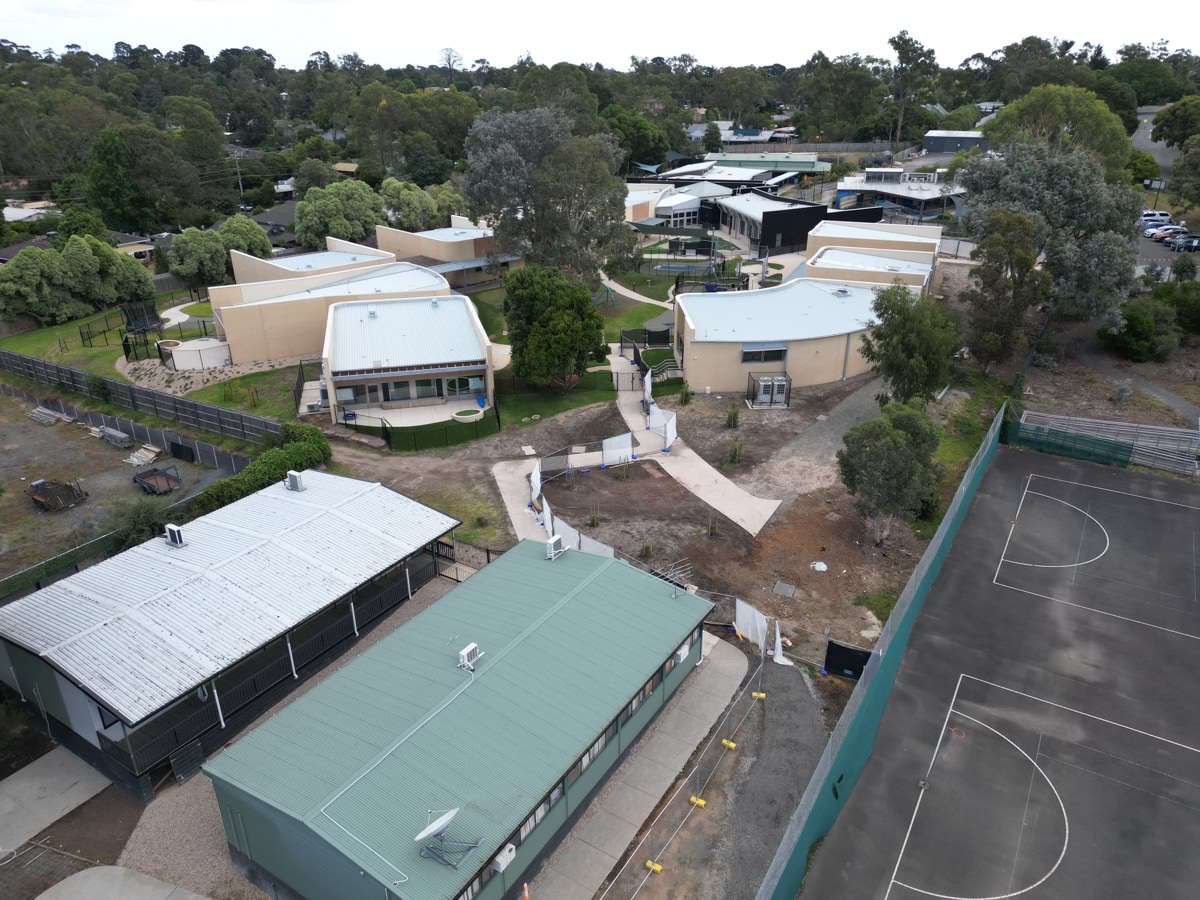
(864, 259)
(363, 756)
(954, 134)
(452, 234)
(753, 205)
(406, 332)
(141, 629)
(385, 279)
(793, 311)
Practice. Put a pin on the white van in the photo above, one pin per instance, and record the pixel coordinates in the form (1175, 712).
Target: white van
(1156, 217)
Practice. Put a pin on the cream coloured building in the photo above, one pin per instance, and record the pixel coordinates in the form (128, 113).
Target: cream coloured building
(287, 317)
(910, 267)
(409, 361)
(461, 253)
(875, 235)
(809, 330)
(338, 256)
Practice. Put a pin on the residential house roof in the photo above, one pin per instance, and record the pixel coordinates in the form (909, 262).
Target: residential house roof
(280, 214)
(142, 628)
(362, 757)
(404, 333)
(976, 135)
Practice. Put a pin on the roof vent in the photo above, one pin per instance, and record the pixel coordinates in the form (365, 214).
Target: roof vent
(308, 265)
(294, 481)
(371, 311)
(174, 536)
(841, 292)
(893, 268)
(468, 656)
(435, 302)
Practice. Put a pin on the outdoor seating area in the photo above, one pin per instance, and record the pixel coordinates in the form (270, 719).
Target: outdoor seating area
(412, 416)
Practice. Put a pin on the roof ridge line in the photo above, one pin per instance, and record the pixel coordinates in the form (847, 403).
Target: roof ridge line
(429, 716)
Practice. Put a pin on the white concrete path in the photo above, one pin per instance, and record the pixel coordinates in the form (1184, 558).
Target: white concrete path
(115, 883)
(593, 847)
(41, 793)
(632, 295)
(175, 315)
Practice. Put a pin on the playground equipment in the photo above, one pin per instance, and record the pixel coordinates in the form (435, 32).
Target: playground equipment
(605, 291)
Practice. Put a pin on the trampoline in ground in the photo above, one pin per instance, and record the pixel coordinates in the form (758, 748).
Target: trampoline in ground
(1041, 740)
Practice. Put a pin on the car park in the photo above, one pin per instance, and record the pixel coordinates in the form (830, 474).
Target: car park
(1155, 216)
(1153, 228)
(1189, 245)
(1168, 231)
(1176, 238)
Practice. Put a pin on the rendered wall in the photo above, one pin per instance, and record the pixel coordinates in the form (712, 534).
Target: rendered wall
(408, 243)
(877, 241)
(249, 269)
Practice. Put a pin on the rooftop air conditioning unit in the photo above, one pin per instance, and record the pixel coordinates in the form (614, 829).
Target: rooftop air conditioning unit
(174, 536)
(504, 858)
(468, 656)
(554, 547)
(681, 654)
(294, 481)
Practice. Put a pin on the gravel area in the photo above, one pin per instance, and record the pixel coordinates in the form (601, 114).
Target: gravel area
(180, 839)
(150, 373)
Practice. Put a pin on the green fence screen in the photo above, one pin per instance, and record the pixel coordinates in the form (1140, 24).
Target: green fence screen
(1087, 447)
(853, 739)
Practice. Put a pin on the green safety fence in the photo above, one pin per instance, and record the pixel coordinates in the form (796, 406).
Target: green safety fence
(1087, 447)
(853, 739)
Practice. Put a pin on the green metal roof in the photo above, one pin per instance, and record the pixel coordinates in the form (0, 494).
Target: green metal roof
(400, 730)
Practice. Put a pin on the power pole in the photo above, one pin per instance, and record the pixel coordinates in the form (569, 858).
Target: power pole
(237, 163)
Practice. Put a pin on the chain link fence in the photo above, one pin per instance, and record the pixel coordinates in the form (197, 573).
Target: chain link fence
(651, 853)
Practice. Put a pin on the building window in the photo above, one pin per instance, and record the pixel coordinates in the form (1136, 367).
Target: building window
(457, 386)
(107, 719)
(475, 886)
(396, 390)
(760, 356)
(428, 387)
(669, 665)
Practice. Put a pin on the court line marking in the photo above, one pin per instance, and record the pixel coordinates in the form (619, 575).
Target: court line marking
(1129, 584)
(1062, 807)
(1080, 712)
(1025, 815)
(1095, 487)
(1102, 612)
(1194, 588)
(1132, 787)
(1011, 527)
(1128, 762)
(1103, 530)
(1079, 549)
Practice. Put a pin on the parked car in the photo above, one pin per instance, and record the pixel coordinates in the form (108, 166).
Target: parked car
(1155, 216)
(1176, 238)
(1190, 245)
(1168, 231)
(1153, 228)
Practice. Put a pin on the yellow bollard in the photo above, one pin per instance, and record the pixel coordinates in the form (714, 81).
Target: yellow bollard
(653, 866)
(758, 695)
(728, 744)
(696, 801)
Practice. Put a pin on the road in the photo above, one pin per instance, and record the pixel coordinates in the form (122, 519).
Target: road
(1141, 140)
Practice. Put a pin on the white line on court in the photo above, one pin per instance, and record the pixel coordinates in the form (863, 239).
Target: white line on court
(1061, 806)
(1193, 567)
(1012, 526)
(1107, 541)
(1079, 549)
(1080, 712)
(1114, 491)
(1100, 612)
(1025, 814)
(1132, 787)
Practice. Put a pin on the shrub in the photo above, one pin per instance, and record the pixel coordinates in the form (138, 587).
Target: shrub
(731, 417)
(735, 451)
(97, 387)
(1148, 330)
(304, 447)
(685, 395)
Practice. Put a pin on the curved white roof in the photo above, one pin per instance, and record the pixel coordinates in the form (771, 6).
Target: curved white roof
(794, 311)
(386, 279)
(866, 261)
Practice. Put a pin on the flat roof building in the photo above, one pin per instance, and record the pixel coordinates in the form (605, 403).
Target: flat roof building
(778, 163)
(399, 359)
(941, 141)
(804, 331)
(513, 723)
(159, 647)
(462, 252)
(909, 267)
(338, 256)
(876, 235)
(922, 194)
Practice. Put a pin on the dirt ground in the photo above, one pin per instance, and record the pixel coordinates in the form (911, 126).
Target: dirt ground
(20, 742)
(151, 373)
(1072, 389)
(1180, 374)
(762, 431)
(29, 451)
(98, 829)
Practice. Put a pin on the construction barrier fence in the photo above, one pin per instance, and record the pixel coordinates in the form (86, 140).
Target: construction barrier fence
(853, 739)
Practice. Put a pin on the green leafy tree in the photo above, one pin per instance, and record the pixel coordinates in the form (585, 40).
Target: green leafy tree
(553, 326)
(1184, 268)
(81, 272)
(371, 172)
(1184, 185)
(1178, 122)
(564, 87)
(1147, 330)
(1083, 225)
(712, 138)
(1063, 118)
(200, 139)
(407, 206)
(244, 234)
(423, 162)
(198, 257)
(1142, 167)
(446, 116)
(1185, 297)
(911, 344)
(1120, 98)
(138, 520)
(448, 201)
(642, 140)
(912, 75)
(1151, 79)
(81, 221)
(110, 184)
(1005, 284)
(347, 209)
(737, 92)
(33, 283)
(887, 466)
(313, 173)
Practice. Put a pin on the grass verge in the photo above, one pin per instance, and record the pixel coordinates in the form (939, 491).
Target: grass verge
(201, 310)
(266, 393)
(656, 287)
(627, 314)
(515, 408)
(490, 306)
(881, 604)
(482, 522)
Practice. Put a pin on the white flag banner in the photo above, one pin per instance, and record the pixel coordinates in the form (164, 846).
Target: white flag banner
(547, 518)
(777, 655)
(751, 624)
(535, 481)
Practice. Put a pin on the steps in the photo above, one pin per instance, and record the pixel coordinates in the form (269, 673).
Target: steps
(185, 762)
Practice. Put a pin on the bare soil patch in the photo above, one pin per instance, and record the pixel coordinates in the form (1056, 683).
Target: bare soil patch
(29, 451)
(151, 373)
(99, 829)
(1070, 388)
(1180, 374)
(702, 423)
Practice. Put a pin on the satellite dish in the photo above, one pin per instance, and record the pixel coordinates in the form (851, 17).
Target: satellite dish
(438, 826)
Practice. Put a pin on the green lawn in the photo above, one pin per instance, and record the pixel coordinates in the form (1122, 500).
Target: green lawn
(656, 287)
(660, 354)
(880, 603)
(626, 314)
(44, 343)
(516, 407)
(490, 305)
(200, 310)
(266, 393)
(482, 523)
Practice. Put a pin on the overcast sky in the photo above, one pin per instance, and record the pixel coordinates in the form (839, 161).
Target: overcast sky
(717, 33)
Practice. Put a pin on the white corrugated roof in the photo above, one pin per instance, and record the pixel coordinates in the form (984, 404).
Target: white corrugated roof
(387, 278)
(793, 311)
(864, 259)
(449, 235)
(143, 628)
(954, 134)
(424, 331)
(916, 234)
(752, 205)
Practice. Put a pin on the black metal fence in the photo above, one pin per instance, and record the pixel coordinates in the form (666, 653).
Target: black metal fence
(144, 344)
(307, 370)
(423, 437)
(767, 389)
(151, 402)
(92, 332)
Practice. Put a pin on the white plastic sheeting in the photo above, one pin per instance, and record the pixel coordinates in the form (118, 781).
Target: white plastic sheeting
(662, 422)
(777, 653)
(616, 451)
(535, 481)
(648, 387)
(570, 537)
(751, 624)
(547, 518)
(591, 545)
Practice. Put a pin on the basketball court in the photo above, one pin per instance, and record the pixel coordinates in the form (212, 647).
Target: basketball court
(1041, 740)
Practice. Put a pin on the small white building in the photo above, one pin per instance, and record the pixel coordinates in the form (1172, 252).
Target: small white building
(910, 267)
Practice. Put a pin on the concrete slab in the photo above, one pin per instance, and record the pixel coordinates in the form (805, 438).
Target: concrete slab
(115, 883)
(687, 728)
(629, 803)
(553, 883)
(588, 864)
(512, 478)
(667, 751)
(646, 775)
(604, 831)
(44, 791)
